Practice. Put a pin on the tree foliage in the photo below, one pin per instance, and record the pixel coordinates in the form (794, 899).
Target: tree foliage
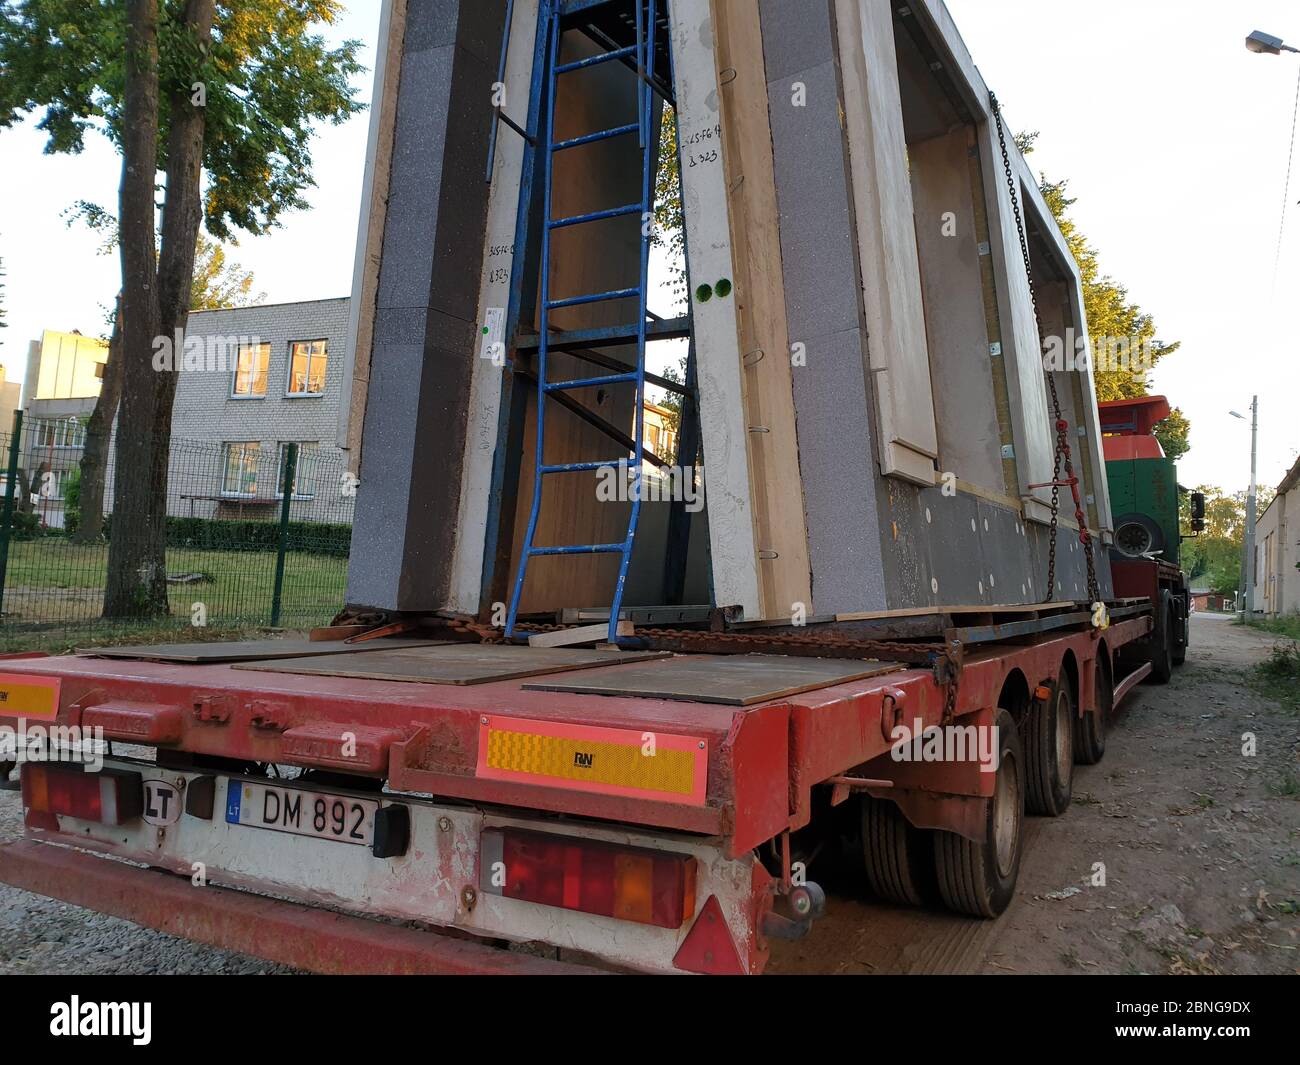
(217, 283)
(265, 79)
(1174, 434)
(1111, 314)
(229, 89)
(670, 229)
(1215, 556)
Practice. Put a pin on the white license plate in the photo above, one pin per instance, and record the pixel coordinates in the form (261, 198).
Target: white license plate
(303, 813)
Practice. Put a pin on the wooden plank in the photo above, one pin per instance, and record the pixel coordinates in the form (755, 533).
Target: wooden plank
(781, 536)
(574, 637)
(457, 664)
(337, 632)
(729, 486)
(1024, 608)
(251, 650)
(728, 680)
(370, 238)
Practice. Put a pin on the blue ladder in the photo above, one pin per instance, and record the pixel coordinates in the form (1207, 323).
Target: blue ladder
(643, 54)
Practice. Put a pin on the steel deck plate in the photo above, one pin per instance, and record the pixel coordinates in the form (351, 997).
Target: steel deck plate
(454, 663)
(731, 680)
(251, 650)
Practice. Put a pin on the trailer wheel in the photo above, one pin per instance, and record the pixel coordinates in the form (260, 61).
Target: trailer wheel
(898, 856)
(1183, 627)
(979, 879)
(1162, 638)
(1049, 751)
(1090, 729)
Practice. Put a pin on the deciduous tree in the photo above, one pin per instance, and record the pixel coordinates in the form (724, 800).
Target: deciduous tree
(186, 87)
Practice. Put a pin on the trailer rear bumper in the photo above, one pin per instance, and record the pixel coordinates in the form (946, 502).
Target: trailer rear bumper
(284, 932)
(446, 869)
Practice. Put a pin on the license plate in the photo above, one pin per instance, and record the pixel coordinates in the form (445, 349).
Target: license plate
(302, 813)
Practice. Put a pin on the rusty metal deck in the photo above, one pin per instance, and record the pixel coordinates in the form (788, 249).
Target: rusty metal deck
(452, 663)
(728, 680)
(249, 650)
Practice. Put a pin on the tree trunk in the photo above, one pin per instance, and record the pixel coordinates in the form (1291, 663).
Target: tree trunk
(137, 577)
(99, 430)
(182, 215)
(137, 580)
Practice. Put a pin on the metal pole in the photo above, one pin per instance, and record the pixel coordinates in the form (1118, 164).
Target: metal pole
(11, 485)
(286, 493)
(1251, 499)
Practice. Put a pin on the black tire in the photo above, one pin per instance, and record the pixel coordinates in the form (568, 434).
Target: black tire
(1090, 729)
(1160, 649)
(979, 879)
(1178, 653)
(898, 857)
(1049, 752)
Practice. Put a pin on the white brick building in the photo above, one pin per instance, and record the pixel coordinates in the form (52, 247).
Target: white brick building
(1277, 550)
(266, 376)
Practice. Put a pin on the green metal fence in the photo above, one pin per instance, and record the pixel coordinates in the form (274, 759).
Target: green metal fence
(257, 535)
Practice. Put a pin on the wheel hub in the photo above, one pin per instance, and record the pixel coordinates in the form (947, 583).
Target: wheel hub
(1006, 814)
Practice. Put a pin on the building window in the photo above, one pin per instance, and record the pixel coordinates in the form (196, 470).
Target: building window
(68, 432)
(307, 367)
(250, 371)
(304, 474)
(240, 478)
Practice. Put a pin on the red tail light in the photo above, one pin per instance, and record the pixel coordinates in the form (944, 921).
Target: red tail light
(629, 883)
(111, 796)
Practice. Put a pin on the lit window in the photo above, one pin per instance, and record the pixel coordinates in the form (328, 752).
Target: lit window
(240, 478)
(304, 473)
(250, 370)
(307, 367)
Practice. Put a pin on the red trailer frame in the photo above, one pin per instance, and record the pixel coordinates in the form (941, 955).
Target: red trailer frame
(761, 769)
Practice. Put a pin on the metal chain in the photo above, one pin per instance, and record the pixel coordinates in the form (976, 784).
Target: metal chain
(1063, 454)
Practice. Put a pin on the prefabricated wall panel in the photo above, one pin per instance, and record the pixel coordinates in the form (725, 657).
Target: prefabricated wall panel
(425, 306)
(823, 296)
(874, 407)
(487, 360)
(886, 232)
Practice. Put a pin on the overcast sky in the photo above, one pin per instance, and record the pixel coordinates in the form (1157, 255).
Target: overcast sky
(1174, 139)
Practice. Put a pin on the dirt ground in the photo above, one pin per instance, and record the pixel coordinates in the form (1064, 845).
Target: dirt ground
(1200, 847)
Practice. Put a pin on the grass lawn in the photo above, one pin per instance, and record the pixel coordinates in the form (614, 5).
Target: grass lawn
(1279, 676)
(54, 584)
(1286, 625)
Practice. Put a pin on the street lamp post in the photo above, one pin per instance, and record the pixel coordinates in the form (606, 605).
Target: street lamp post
(1267, 44)
(1251, 498)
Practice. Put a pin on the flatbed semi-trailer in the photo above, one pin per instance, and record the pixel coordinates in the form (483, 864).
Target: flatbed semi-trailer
(627, 831)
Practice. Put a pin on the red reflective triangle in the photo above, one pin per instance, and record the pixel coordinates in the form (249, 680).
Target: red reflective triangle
(708, 948)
